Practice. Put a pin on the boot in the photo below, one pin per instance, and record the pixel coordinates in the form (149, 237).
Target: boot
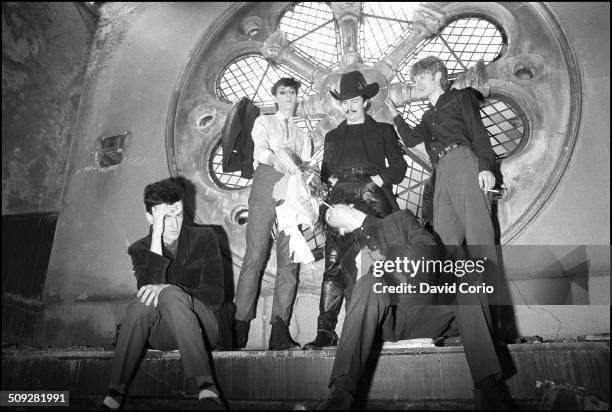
(242, 333)
(329, 308)
(280, 338)
(493, 394)
(338, 399)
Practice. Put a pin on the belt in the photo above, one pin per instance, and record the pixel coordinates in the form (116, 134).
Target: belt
(446, 150)
(356, 171)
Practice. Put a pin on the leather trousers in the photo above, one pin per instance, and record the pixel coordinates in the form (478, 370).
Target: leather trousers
(340, 252)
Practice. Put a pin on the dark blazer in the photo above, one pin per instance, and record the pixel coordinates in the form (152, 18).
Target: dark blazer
(381, 141)
(197, 268)
(402, 228)
(237, 143)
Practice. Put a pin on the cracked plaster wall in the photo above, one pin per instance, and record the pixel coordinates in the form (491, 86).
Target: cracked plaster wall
(44, 52)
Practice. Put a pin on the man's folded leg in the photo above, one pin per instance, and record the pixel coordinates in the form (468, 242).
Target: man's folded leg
(131, 343)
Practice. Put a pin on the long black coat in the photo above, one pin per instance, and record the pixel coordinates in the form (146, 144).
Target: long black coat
(237, 143)
(197, 268)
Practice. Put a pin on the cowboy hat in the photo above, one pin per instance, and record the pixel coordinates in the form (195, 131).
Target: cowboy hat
(353, 84)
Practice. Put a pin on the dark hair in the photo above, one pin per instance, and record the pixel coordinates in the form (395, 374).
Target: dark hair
(286, 82)
(165, 191)
(431, 65)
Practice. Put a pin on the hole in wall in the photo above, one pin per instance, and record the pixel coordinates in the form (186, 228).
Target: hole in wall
(239, 215)
(204, 120)
(110, 149)
(523, 72)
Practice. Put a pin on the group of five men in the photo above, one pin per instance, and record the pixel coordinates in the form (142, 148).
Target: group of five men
(178, 268)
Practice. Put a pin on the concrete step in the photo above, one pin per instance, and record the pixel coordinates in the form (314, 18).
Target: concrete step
(413, 378)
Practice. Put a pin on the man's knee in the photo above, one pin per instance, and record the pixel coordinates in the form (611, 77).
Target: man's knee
(172, 296)
(137, 310)
(368, 287)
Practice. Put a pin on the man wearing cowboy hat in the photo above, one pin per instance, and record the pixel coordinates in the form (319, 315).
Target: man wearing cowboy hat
(354, 164)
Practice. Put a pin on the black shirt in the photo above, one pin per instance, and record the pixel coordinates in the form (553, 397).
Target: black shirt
(364, 145)
(455, 118)
(172, 247)
(354, 153)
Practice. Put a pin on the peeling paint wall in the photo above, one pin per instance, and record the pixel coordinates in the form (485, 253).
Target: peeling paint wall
(45, 47)
(138, 53)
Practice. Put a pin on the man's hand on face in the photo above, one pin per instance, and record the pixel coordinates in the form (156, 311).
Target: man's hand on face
(150, 293)
(159, 213)
(486, 180)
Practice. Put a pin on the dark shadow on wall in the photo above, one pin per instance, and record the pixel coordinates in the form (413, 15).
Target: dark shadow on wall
(225, 313)
(27, 240)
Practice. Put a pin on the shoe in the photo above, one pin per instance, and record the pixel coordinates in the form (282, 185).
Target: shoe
(242, 333)
(324, 338)
(113, 401)
(494, 398)
(329, 308)
(209, 397)
(280, 338)
(211, 404)
(338, 399)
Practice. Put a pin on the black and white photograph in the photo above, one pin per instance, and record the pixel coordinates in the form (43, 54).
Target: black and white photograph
(305, 206)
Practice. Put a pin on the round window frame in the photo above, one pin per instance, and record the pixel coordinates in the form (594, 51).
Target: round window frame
(214, 40)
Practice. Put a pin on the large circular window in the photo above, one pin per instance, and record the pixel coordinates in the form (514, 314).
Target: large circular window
(312, 33)
(531, 124)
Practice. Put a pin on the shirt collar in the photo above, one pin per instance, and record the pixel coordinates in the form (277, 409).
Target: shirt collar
(282, 117)
(442, 98)
(368, 231)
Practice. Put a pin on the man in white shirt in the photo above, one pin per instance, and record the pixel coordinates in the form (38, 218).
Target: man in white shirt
(272, 134)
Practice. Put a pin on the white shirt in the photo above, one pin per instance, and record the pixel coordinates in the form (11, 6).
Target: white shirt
(270, 134)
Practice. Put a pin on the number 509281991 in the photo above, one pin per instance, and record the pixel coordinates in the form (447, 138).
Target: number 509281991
(34, 398)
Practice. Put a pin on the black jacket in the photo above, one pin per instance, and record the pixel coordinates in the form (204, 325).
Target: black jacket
(197, 268)
(237, 143)
(380, 141)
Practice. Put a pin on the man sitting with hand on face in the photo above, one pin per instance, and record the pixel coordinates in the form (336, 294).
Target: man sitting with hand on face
(405, 315)
(179, 276)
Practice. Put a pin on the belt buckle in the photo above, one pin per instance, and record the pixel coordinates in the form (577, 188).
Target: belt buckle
(446, 150)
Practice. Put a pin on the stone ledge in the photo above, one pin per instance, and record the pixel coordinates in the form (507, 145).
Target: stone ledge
(426, 374)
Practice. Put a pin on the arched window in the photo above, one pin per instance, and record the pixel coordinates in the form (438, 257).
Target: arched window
(229, 65)
(312, 31)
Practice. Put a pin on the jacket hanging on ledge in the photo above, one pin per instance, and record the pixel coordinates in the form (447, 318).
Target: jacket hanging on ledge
(236, 141)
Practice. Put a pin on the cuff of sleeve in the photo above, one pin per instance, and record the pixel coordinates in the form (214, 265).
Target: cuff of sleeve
(383, 177)
(370, 224)
(484, 165)
(156, 267)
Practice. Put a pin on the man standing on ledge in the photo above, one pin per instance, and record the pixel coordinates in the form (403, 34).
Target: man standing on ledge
(354, 164)
(406, 315)
(460, 150)
(271, 135)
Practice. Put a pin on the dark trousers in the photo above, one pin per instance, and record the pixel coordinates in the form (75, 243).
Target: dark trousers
(262, 215)
(405, 316)
(340, 252)
(462, 211)
(178, 322)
